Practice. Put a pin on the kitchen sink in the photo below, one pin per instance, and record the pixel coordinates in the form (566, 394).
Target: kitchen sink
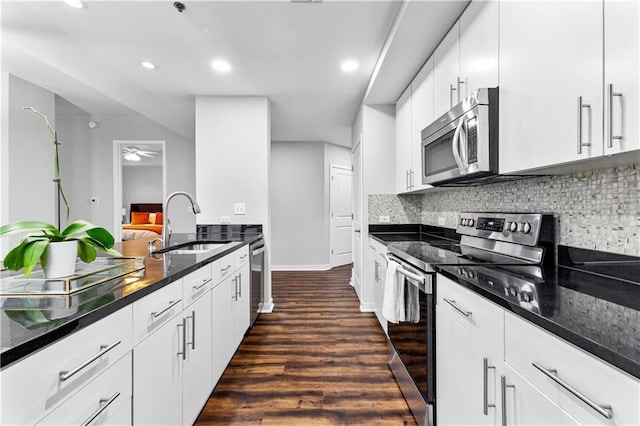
(194, 247)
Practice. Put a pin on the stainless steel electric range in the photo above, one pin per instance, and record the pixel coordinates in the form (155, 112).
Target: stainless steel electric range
(508, 252)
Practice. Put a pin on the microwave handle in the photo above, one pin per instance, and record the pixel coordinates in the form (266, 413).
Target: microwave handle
(455, 146)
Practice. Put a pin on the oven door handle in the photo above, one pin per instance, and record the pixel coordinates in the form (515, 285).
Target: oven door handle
(411, 275)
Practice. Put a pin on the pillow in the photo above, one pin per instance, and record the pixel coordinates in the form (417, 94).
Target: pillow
(139, 218)
(152, 218)
(158, 219)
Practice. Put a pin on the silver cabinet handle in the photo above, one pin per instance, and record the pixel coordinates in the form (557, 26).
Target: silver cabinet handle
(503, 394)
(485, 383)
(357, 231)
(376, 275)
(235, 293)
(240, 285)
(171, 305)
(104, 404)
(581, 106)
(204, 282)
(603, 409)
(411, 184)
(225, 269)
(451, 90)
(244, 256)
(406, 179)
(457, 308)
(458, 83)
(66, 375)
(611, 137)
(193, 329)
(184, 338)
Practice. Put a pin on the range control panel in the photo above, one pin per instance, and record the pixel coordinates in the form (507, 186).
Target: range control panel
(520, 228)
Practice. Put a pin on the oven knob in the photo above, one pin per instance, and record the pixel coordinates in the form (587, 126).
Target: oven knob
(513, 291)
(463, 221)
(471, 222)
(526, 296)
(512, 226)
(526, 227)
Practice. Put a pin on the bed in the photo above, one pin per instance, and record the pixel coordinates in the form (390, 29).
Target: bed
(145, 221)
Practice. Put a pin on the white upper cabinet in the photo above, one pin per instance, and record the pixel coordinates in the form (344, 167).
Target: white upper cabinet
(446, 72)
(621, 71)
(479, 38)
(403, 141)
(421, 117)
(551, 94)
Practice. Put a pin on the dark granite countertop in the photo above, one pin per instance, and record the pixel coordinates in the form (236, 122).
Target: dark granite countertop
(28, 324)
(588, 298)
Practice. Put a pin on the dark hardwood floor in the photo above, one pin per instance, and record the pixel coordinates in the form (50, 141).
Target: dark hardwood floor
(316, 360)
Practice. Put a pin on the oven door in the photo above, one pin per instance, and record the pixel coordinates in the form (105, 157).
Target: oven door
(414, 341)
(460, 149)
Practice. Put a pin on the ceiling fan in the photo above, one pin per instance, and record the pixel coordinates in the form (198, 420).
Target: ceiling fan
(133, 153)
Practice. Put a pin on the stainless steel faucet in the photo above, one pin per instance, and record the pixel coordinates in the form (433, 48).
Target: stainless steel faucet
(166, 227)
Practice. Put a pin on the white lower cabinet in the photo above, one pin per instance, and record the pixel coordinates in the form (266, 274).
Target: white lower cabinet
(34, 387)
(221, 327)
(241, 304)
(475, 385)
(378, 264)
(158, 370)
(104, 401)
(196, 381)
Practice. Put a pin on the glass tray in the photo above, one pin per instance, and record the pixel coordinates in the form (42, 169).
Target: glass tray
(102, 270)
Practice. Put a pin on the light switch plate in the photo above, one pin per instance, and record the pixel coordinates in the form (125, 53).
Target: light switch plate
(225, 219)
(238, 208)
(384, 219)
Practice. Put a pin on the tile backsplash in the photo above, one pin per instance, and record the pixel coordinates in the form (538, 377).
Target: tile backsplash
(596, 209)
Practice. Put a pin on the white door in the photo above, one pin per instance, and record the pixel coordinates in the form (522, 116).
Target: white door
(341, 219)
(356, 160)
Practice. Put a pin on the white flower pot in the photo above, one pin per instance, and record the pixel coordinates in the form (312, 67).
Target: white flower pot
(59, 259)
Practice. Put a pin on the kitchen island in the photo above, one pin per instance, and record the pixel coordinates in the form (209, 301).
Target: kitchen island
(175, 327)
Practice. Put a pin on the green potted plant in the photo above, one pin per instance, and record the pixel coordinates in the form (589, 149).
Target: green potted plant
(55, 248)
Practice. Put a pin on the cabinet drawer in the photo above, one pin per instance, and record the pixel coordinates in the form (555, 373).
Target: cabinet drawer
(223, 268)
(35, 386)
(377, 247)
(196, 284)
(101, 400)
(241, 256)
(484, 319)
(155, 309)
(598, 381)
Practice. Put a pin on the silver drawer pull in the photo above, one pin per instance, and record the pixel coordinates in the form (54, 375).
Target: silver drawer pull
(503, 394)
(485, 389)
(225, 269)
(66, 375)
(457, 308)
(204, 282)
(171, 305)
(604, 410)
(104, 403)
(244, 256)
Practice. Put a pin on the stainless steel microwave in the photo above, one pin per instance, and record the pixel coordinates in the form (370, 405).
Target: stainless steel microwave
(461, 147)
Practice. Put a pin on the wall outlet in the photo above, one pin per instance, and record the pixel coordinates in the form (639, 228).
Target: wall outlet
(441, 221)
(238, 208)
(225, 219)
(384, 219)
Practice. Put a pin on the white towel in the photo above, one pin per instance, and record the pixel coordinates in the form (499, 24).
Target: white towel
(393, 308)
(412, 303)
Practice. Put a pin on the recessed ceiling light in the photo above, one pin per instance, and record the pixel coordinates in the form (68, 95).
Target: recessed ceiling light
(148, 65)
(221, 65)
(349, 66)
(76, 4)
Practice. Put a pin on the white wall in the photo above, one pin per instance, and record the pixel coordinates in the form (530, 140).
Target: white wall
(27, 188)
(142, 184)
(74, 134)
(180, 165)
(233, 150)
(300, 174)
(297, 188)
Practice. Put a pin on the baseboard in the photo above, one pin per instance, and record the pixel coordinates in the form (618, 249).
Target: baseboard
(300, 267)
(367, 307)
(267, 308)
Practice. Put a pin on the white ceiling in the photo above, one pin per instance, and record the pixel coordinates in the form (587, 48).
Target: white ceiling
(290, 52)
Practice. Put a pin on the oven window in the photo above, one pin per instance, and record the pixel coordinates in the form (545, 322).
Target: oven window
(411, 343)
(438, 155)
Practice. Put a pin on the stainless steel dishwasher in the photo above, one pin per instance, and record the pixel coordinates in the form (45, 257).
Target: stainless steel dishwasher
(256, 250)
